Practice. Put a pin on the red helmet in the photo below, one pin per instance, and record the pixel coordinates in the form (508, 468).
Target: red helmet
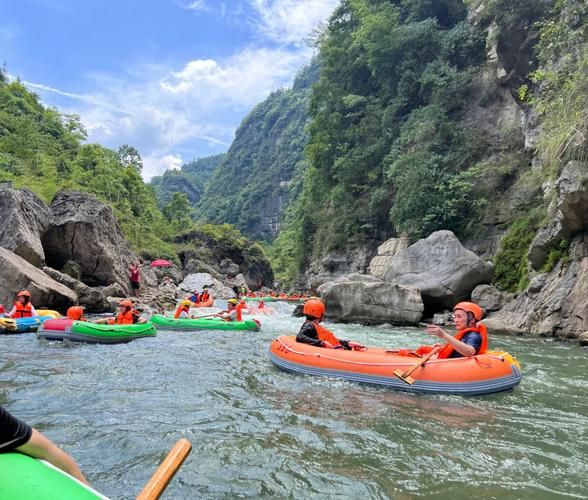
(314, 308)
(475, 309)
(125, 303)
(75, 312)
(24, 293)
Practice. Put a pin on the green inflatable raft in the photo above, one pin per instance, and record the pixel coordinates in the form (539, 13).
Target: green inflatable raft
(92, 333)
(24, 478)
(165, 323)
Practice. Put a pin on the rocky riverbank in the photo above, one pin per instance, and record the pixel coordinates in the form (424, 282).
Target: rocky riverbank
(405, 284)
(73, 251)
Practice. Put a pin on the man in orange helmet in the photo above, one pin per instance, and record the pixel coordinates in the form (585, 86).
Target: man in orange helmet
(471, 337)
(313, 333)
(22, 307)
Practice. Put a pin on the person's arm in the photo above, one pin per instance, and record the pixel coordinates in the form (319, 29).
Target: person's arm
(308, 335)
(40, 447)
(33, 311)
(12, 312)
(461, 347)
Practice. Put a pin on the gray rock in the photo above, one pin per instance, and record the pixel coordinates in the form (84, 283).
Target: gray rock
(559, 309)
(114, 290)
(379, 264)
(93, 298)
(371, 302)
(570, 212)
(72, 269)
(583, 338)
(488, 297)
(537, 283)
(229, 268)
(85, 231)
(196, 281)
(441, 268)
(24, 219)
(18, 274)
(444, 318)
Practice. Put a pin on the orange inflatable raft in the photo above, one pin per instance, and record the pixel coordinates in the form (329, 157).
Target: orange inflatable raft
(206, 303)
(482, 374)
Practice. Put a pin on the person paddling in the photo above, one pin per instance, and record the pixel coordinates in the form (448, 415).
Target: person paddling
(15, 435)
(23, 308)
(471, 337)
(127, 315)
(183, 310)
(233, 313)
(313, 333)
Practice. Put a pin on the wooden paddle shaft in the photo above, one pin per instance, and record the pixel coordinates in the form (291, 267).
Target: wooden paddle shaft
(422, 361)
(166, 471)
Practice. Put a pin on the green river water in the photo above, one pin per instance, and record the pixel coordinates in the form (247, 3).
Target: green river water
(258, 432)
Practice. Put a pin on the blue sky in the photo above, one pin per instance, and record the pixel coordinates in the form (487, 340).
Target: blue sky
(173, 78)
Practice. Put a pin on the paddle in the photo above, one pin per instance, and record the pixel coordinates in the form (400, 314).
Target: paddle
(166, 471)
(405, 376)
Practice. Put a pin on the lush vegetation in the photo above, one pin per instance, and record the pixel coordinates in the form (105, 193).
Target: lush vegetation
(261, 171)
(191, 180)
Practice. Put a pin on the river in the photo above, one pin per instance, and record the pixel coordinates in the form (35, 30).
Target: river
(259, 432)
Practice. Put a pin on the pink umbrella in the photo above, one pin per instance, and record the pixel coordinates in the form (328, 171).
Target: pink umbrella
(161, 263)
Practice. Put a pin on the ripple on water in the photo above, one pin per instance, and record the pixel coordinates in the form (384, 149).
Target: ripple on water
(259, 432)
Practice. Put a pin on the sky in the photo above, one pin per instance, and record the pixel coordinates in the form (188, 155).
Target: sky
(174, 78)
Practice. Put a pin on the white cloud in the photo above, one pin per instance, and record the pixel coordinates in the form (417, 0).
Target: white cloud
(156, 164)
(291, 21)
(166, 111)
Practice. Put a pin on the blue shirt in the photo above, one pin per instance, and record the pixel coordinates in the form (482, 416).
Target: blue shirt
(472, 339)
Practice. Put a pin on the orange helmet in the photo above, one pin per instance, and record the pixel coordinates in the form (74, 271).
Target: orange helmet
(475, 309)
(75, 312)
(24, 293)
(125, 303)
(314, 308)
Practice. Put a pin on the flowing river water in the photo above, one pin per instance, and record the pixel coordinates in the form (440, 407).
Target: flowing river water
(260, 432)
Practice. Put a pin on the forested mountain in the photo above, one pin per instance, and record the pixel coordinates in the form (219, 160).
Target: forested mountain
(191, 180)
(264, 166)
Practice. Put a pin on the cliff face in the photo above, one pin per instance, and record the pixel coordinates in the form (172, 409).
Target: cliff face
(263, 168)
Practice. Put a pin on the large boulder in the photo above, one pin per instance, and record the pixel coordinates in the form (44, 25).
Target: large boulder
(93, 297)
(85, 231)
(558, 307)
(488, 297)
(387, 250)
(197, 281)
(569, 213)
(24, 219)
(441, 268)
(17, 274)
(369, 300)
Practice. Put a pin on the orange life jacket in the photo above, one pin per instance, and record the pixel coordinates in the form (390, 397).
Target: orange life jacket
(448, 349)
(125, 318)
(204, 296)
(179, 311)
(239, 308)
(326, 335)
(22, 311)
(261, 305)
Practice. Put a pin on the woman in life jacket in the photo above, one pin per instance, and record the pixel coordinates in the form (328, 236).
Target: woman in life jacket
(233, 313)
(313, 333)
(127, 315)
(471, 337)
(76, 313)
(22, 307)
